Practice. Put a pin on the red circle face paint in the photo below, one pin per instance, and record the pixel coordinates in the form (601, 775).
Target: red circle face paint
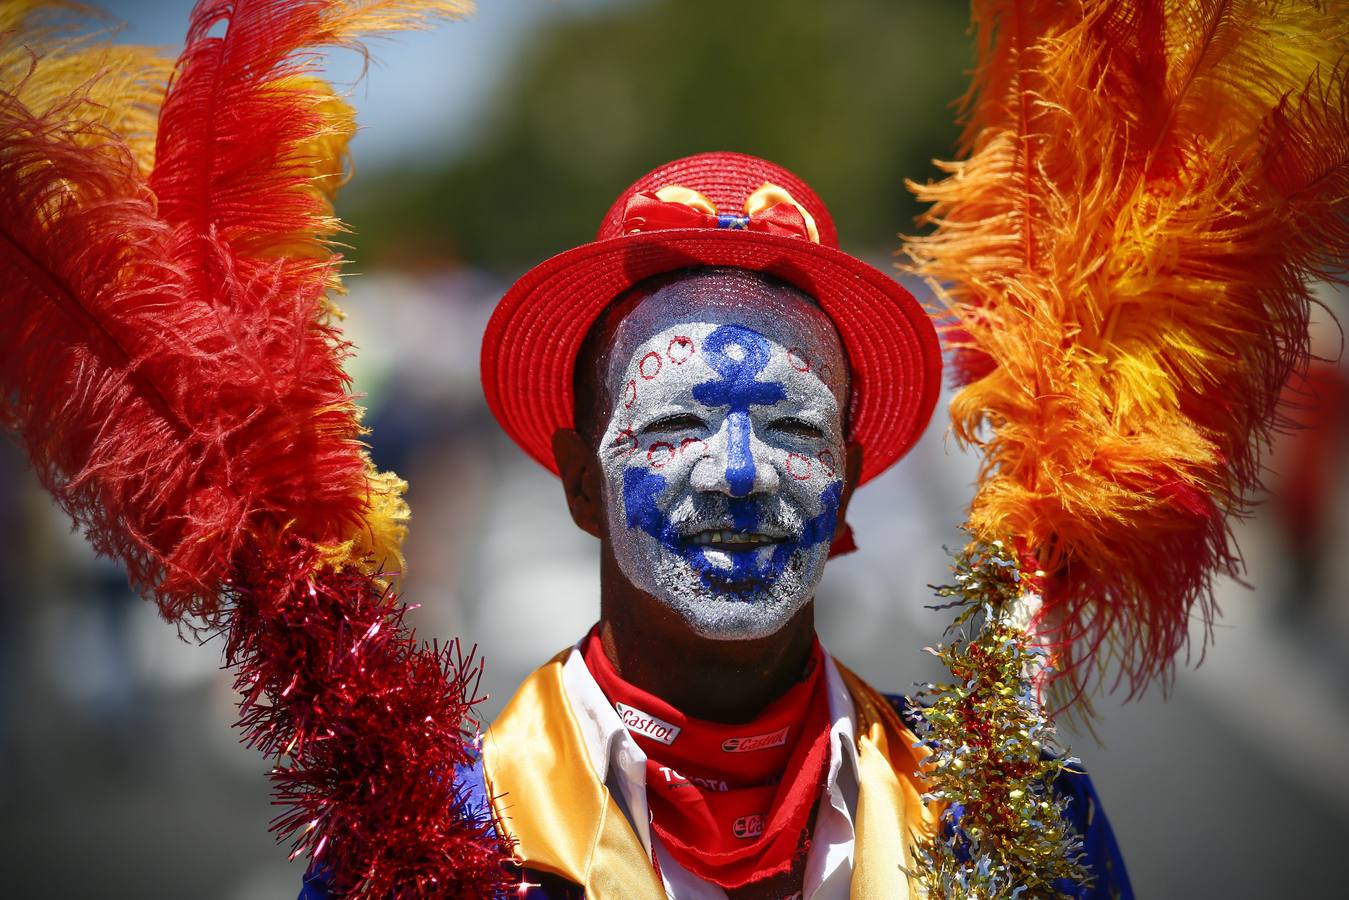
(692, 445)
(680, 349)
(798, 360)
(650, 365)
(798, 466)
(659, 454)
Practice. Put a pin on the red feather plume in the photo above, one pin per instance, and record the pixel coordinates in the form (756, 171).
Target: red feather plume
(178, 387)
(103, 355)
(178, 394)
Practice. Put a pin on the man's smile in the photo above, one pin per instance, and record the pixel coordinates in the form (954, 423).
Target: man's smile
(732, 541)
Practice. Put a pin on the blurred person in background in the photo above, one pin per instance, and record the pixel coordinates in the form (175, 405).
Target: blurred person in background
(1308, 470)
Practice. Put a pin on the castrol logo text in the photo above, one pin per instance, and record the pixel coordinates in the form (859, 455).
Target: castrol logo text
(748, 826)
(756, 741)
(646, 725)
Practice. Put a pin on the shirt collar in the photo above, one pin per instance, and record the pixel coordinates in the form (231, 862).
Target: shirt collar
(616, 757)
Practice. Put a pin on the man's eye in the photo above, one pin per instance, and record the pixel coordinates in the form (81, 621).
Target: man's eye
(677, 422)
(796, 428)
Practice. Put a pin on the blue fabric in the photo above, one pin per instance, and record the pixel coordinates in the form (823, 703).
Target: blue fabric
(314, 887)
(1101, 852)
(1098, 841)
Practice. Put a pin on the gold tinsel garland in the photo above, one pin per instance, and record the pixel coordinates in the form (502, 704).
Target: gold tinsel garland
(1004, 832)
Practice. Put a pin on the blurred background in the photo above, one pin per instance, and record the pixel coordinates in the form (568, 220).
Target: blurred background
(488, 145)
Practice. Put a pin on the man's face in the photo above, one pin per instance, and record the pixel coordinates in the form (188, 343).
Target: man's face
(723, 458)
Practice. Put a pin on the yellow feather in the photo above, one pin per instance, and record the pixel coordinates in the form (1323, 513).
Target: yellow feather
(376, 548)
(323, 161)
(324, 158)
(48, 63)
(369, 17)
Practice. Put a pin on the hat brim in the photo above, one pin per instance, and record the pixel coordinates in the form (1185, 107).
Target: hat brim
(529, 350)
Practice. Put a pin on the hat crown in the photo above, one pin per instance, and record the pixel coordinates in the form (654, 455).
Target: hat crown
(727, 180)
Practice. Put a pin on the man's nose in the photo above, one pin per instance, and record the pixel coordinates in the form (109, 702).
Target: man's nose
(737, 462)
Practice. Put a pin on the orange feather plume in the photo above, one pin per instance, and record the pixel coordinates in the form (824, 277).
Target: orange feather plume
(1126, 249)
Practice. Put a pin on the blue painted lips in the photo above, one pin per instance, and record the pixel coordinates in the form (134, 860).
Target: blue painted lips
(642, 489)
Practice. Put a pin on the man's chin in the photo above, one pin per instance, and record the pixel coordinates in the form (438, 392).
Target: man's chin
(717, 607)
(735, 616)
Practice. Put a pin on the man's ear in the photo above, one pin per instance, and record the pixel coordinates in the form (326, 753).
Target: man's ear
(581, 479)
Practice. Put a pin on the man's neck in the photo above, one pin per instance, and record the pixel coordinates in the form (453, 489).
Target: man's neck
(653, 649)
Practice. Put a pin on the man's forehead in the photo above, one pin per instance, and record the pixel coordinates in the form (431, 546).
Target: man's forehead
(775, 310)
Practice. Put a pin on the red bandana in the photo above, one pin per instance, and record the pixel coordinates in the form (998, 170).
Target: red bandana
(732, 803)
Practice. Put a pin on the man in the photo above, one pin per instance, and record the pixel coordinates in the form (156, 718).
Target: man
(711, 379)
(716, 489)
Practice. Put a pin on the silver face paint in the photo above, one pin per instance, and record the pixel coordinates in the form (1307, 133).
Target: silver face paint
(724, 451)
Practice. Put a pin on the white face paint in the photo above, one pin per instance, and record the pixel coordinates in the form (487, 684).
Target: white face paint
(723, 456)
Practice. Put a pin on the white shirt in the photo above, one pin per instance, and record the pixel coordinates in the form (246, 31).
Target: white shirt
(621, 766)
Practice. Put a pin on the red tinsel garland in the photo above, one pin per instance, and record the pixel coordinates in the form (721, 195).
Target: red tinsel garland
(368, 726)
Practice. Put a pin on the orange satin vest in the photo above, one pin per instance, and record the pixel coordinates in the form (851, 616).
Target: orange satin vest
(566, 823)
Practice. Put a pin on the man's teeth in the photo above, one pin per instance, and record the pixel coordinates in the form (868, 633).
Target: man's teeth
(731, 537)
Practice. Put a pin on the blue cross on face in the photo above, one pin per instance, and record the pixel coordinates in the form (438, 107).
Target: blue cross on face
(738, 355)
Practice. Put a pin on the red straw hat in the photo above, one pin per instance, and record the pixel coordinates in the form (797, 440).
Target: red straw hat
(713, 209)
